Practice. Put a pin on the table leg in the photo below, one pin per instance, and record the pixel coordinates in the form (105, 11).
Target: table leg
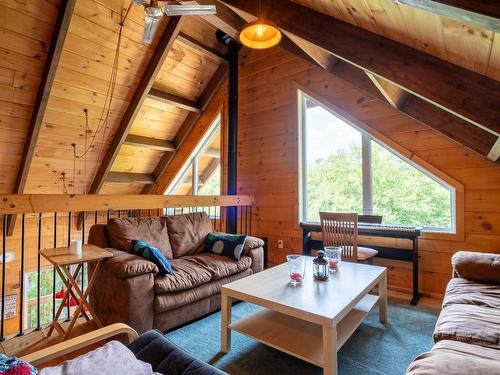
(329, 350)
(225, 333)
(382, 302)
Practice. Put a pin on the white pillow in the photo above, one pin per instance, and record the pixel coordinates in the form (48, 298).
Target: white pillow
(112, 358)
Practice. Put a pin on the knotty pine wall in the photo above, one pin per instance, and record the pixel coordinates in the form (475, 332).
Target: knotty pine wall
(268, 163)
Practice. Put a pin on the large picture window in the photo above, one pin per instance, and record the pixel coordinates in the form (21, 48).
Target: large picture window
(345, 170)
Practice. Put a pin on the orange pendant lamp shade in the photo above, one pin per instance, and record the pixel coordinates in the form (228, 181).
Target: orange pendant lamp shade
(260, 34)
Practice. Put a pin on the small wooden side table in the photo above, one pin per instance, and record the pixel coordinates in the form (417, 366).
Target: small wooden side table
(61, 258)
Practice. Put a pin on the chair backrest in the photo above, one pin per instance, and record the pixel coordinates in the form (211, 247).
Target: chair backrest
(341, 229)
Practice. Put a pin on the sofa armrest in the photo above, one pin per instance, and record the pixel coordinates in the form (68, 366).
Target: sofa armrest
(257, 256)
(252, 243)
(124, 290)
(124, 265)
(481, 267)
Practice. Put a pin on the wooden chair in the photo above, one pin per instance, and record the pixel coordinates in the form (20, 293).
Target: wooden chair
(341, 229)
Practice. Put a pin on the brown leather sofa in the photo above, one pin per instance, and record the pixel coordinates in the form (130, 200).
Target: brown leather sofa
(128, 289)
(467, 332)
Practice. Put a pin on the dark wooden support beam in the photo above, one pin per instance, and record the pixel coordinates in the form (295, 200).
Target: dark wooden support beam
(151, 143)
(175, 100)
(483, 13)
(321, 57)
(155, 63)
(466, 94)
(61, 27)
(208, 93)
(202, 48)
(130, 178)
(395, 95)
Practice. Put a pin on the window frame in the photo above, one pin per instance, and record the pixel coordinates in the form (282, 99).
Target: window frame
(456, 232)
(192, 162)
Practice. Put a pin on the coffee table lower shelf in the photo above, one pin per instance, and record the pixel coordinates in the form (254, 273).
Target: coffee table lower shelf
(298, 337)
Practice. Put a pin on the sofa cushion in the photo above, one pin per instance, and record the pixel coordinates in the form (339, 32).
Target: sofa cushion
(152, 230)
(229, 245)
(469, 323)
(220, 266)
(169, 301)
(463, 291)
(188, 232)
(482, 267)
(442, 363)
(462, 348)
(187, 275)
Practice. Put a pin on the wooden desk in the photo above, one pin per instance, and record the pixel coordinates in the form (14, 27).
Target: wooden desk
(390, 231)
(61, 258)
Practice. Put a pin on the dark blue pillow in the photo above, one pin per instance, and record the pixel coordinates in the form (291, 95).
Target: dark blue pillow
(143, 249)
(229, 245)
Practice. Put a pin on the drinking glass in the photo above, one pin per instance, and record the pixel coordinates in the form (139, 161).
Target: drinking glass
(334, 255)
(296, 266)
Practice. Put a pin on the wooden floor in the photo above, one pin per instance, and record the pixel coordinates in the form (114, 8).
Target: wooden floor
(36, 340)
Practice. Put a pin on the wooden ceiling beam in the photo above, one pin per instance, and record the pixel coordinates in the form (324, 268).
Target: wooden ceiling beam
(146, 83)
(151, 143)
(202, 48)
(395, 95)
(61, 28)
(483, 13)
(453, 127)
(321, 57)
(208, 93)
(462, 92)
(130, 178)
(175, 100)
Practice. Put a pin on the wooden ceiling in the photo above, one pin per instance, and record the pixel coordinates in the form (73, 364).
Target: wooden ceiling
(469, 46)
(154, 107)
(80, 81)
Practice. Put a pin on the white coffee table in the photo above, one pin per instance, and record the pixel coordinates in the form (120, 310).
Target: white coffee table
(310, 321)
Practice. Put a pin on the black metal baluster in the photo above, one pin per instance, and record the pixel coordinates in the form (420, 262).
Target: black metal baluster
(83, 242)
(96, 217)
(241, 219)
(108, 214)
(250, 220)
(149, 212)
(21, 307)
(38, 265)
(69, 244)
(54, 270)
(119, 214)
(4, 249)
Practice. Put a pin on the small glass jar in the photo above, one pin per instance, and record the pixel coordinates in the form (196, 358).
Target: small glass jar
(334, 255)
(296, 268)
(320, 266)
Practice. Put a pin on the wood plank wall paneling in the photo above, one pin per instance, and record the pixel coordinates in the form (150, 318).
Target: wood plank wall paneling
(268, 163)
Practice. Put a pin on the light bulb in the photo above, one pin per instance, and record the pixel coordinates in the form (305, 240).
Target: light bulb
(260, 30)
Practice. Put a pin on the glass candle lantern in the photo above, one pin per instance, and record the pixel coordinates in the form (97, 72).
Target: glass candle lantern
(320, 266)
(334, 255)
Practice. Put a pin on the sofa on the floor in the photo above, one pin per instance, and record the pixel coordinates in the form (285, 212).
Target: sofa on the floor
(129, 290)
(467, 332)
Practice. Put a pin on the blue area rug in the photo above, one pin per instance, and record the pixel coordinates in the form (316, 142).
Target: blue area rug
(374, 348)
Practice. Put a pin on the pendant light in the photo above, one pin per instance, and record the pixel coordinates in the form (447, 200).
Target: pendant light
(260, 34)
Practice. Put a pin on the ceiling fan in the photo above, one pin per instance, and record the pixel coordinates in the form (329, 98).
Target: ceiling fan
(153, 12)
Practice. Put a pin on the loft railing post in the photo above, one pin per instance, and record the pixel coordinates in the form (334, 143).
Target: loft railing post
(54, 270)
(21, 304)
(69, 244)
(4, 248)
(38, 269)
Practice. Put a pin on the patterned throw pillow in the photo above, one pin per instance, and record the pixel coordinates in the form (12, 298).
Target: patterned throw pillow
(14, 366)
(229, 245)
(143, 249)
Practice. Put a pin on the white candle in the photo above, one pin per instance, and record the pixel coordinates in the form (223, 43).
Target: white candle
(75, 246)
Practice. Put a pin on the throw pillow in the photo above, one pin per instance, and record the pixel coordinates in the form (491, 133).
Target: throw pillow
(143, 249)
(14, 366)
(229, 245)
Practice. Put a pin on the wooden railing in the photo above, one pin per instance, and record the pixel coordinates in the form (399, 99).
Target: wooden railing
(47, 221)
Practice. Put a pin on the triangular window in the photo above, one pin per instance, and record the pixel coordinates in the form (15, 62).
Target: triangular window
(344, 169)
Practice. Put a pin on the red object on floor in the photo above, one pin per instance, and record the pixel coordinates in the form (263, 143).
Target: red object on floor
(60, 295)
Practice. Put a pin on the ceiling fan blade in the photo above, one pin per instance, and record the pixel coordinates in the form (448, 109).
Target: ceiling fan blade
(188, 9)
